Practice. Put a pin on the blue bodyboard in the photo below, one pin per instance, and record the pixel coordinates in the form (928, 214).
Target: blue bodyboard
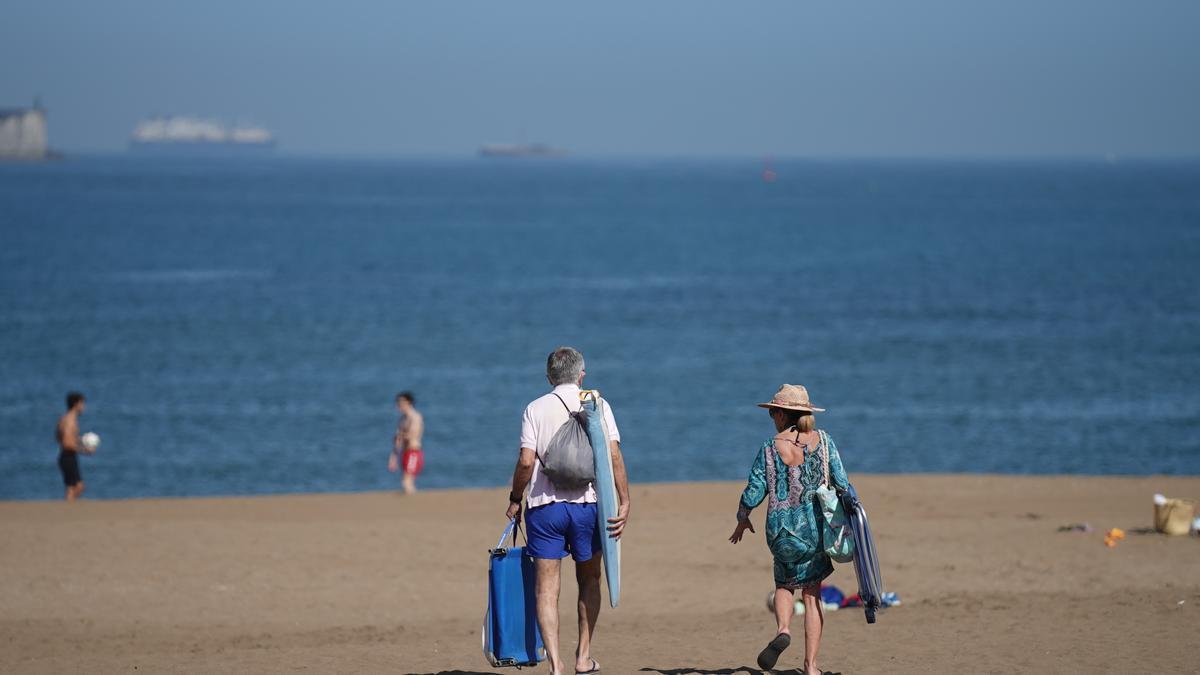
(607, 500)
(866, 561)
(510, 630)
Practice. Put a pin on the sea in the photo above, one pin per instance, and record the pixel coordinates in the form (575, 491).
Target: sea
(242, 326)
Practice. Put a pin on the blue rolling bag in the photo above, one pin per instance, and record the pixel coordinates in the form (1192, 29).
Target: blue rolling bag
(866, 562)
(510, 631)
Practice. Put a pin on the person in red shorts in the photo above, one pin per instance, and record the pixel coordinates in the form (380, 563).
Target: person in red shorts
(406, 445)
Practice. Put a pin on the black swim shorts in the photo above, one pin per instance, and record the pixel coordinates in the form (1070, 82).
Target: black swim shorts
(68, 463)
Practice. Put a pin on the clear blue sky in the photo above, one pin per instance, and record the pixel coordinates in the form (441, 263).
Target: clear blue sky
(867, 78)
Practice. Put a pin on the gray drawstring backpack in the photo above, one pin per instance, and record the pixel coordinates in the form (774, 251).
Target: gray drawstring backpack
(569, 461)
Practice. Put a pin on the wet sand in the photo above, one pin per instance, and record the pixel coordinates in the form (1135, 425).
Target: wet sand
(378, 582)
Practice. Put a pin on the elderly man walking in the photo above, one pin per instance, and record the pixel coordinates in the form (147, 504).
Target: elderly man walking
(563, 522)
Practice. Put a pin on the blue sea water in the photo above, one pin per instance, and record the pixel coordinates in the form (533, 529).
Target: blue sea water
(242, 326)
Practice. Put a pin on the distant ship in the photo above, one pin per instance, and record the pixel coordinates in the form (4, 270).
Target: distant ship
(193, 135)
(519, 150)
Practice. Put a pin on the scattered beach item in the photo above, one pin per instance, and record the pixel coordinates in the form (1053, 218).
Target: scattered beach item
(510, 631)
(607, 499)
(1076, 527)
(832, 597)
(1113, 536)
(90, 440)
(1173, 516)
(888, 600)
(866, 562)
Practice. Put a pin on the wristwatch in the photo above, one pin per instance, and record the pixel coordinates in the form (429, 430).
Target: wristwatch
(514, 498)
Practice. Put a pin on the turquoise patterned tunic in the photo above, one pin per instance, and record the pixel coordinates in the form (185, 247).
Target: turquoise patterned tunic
(794, 519)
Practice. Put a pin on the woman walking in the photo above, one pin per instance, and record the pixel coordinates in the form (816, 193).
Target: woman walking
(787, 471)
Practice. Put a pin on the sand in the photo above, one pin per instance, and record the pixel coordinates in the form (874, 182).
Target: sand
(378, 582)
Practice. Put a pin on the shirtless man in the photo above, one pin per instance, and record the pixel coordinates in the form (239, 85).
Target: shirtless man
(67, 435)
(406, 444)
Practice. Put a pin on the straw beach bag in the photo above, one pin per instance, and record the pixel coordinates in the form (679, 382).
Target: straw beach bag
(1174, 516)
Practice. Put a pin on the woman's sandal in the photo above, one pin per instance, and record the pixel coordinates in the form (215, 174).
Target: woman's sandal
(768, 656)
(592, 671)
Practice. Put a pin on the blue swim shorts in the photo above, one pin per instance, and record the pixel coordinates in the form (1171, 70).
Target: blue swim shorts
(559, 528)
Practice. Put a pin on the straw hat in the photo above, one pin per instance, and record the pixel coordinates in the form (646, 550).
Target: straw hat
(792, 397)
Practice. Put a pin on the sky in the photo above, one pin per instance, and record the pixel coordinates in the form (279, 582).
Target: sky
(873, 78)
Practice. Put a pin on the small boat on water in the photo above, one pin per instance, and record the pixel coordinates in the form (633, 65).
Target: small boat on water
(519, 150)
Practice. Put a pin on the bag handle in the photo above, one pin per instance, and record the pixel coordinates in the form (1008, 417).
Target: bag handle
(510, 530)
(560, 400)
(824, 449)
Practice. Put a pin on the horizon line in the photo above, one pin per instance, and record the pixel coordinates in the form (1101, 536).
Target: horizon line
(568, 156)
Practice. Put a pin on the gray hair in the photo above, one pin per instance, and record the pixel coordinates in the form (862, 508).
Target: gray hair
(564, 366)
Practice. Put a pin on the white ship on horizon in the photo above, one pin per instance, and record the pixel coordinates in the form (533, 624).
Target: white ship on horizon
(184, 134)
(519, 150)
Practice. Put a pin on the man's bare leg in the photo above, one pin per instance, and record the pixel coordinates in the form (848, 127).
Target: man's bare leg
(814, 620)
(409, 483)
(587, 575)
(74, 491)
(547, 609)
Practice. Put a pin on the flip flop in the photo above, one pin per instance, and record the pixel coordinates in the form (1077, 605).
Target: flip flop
(594, 669)
(768, 656)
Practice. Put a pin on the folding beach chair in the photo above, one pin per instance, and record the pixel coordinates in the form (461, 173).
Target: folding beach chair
(510, 631)
(866, 563)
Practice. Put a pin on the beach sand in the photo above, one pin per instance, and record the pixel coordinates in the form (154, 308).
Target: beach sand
(383, 583)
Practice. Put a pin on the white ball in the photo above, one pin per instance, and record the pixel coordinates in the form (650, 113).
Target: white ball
(90, 440)
(771, 602)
